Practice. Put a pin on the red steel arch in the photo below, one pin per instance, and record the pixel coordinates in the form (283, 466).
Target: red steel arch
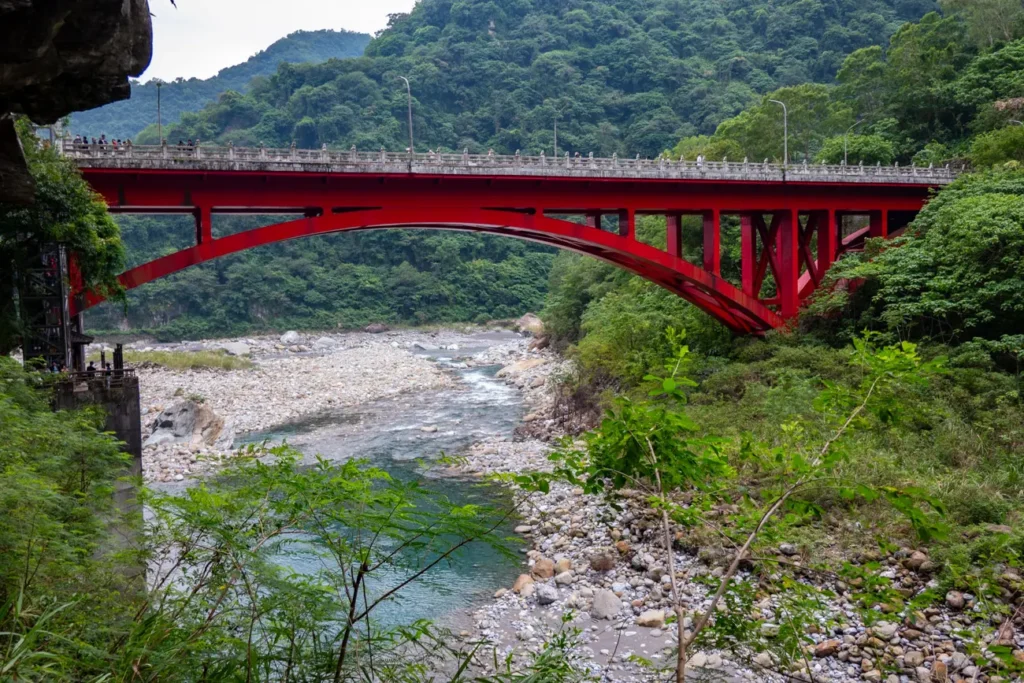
(791, 229)
(741, 313)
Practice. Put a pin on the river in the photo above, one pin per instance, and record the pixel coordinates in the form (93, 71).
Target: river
(402, 435)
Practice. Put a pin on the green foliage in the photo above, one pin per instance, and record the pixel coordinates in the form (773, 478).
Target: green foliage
(181, 360)
(617, 322)
(57, 472)
(990, 21)
(857, 149)
(127, 118)
(956, 275)
(813, 117)
(998, 147)
(643, 440)
(920, 99)
(347, 281)
(713, 149)
(219, 602)
(629, 77)
(65, 211)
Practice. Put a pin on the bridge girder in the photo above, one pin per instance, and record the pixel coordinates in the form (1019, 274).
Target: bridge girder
(789, 230)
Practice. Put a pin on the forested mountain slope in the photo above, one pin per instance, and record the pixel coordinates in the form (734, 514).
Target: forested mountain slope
(622, 76)
(625, 76)
(125, 119)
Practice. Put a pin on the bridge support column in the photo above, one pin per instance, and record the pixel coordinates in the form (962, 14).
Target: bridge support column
(713, 242)
(748, 254)
(828, 240)
(594, 220)
(627, 223)
(204, 225)
(674, 235)
(788, 276)
(879, 223)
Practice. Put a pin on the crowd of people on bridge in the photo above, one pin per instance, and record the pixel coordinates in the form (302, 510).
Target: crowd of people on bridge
(84, 142)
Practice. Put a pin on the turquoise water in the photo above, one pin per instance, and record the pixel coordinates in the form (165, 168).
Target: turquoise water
(390, 434)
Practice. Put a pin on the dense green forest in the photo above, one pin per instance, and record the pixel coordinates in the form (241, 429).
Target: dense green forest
(625, 76)
(946, 89)
(127, 118)
(886, 427)
(628, 76)
(943, 91)
(405, 277)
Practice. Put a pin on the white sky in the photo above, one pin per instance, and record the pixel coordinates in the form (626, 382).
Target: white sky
(202, 37)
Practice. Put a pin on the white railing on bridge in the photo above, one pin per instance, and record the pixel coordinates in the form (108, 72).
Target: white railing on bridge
(215, 158)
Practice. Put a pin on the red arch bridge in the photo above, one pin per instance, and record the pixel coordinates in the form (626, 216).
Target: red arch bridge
(793, 221)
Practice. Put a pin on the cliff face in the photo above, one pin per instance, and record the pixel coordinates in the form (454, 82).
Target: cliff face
(60, 56)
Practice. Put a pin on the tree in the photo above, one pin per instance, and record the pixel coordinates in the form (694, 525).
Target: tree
(957, 273)
(989, 21)
(711, 148)
(859, 149)
(862, 81)
(813, 116)
(998, 147)
(65, 211)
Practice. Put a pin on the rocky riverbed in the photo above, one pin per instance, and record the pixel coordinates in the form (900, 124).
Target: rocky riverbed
(293, 378)
(607, 567)
(604, 564)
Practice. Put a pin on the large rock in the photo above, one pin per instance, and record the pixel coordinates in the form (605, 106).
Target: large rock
(236, 348)
(885, 630)
(530, 324)
(652, 618)
(522, 582)
(377, 328)
(62, 56)
(606, 605)
(914, 659)
(16, 184)
(546, 594)
(543, 568)
(189, 423)
(326, 344)
(290, 338)
(520, 367)
(603, 560)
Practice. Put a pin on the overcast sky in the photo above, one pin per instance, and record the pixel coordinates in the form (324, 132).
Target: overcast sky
(202, 37)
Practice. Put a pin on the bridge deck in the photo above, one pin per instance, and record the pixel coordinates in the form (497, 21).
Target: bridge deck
(240, 159)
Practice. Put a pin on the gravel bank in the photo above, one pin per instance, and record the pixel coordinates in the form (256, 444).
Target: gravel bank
(285, 386)
(606, 565)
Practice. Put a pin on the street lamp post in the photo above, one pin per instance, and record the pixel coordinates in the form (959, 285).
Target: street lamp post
(846, 141)
(557, 114)
(785, 133)
(159, 117)
(412, 143)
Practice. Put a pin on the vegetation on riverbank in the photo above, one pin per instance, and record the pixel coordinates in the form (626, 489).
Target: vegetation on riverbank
(184, 360)
(65, 211)
(197, 592)
(954, 285)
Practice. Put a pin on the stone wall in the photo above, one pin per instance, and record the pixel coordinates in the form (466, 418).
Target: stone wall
(120, 399)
